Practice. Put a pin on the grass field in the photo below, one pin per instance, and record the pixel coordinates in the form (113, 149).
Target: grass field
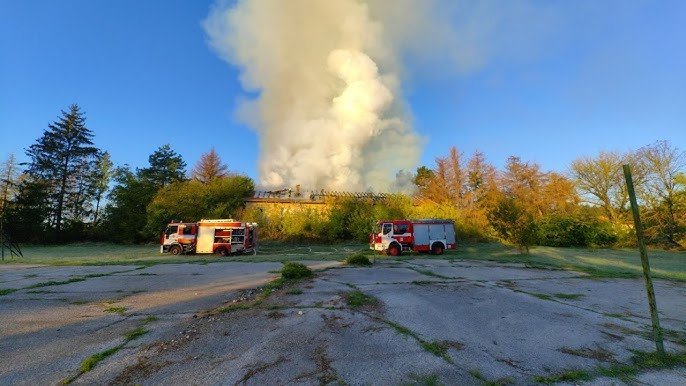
(596, 262)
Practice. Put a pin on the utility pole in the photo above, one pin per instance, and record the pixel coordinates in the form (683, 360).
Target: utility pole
(638, 227)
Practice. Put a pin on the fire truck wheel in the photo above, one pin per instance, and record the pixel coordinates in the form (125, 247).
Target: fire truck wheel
(222, 252)
(437, 249)
(394, 250)
(175, 250)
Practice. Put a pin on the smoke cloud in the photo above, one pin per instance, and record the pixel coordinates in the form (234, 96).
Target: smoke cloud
(328, 113)
(326, 74)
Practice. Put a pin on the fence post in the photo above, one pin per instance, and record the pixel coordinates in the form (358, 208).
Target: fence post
(638, 227)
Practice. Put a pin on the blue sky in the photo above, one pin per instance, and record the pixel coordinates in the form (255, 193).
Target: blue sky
(594, 76)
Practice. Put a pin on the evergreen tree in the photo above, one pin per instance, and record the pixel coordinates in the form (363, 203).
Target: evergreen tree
(209, 167)
(126, 210)
(166, 166)
(133, 192)
(61, 159)
(29, 212)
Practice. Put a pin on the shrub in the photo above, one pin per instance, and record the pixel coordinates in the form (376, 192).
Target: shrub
(358, 258)
(291, 271)
(575, 231)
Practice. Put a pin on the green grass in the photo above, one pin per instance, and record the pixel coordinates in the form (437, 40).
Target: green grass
(295, 291)
(150, 319)
(567, 376)
(294, 271)
(436, 348)
(74, 279)
(568, 296)
(542, 296)
(423, 380)
(135, 334)
(486, 382)
(640, 361)
(439, 349)
(357, 298)
(7, 291)
(595, 262)
(89, 363)
(115, 310)
(149, 254)
(358, 258)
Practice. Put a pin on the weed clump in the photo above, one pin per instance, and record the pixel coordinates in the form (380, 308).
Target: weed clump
(294, 271)
(358, 258)
(357, 299)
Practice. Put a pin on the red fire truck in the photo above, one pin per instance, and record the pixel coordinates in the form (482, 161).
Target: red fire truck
(396, 236)
(222, 237)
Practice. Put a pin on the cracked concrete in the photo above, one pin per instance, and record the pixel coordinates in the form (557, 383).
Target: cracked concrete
(497, 320)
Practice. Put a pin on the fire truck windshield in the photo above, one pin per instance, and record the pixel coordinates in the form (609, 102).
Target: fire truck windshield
(387, 228)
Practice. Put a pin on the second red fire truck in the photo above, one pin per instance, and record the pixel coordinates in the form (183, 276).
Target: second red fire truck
(396, 236)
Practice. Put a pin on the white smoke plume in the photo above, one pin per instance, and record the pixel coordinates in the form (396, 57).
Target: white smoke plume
(328, 111)
(326, 74)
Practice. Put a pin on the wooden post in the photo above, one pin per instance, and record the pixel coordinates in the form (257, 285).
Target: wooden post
(657, 331)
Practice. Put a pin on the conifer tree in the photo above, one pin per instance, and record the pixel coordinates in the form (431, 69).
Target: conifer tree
(61, 158)
(209, 167)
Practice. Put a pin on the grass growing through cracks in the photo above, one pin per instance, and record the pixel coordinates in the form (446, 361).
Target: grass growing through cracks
(89, 363)
(357, 298)
(641, 361)
(290, 273)
(486, 382)
(115, 310)
(7, 291)
(569, 296)
(567, 376)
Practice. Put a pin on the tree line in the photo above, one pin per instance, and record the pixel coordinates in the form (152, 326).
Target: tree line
(70, 190)
(58, 195)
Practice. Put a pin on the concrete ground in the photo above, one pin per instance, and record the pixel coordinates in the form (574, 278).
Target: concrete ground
(450, 322)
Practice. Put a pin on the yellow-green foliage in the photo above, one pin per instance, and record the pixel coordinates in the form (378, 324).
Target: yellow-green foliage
(291, 221)
(194, 200)
(353, 219)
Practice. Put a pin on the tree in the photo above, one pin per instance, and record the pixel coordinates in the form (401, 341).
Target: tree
(29, 212)
(166, 166)
(209, 167)
(100, 180)
(126, 211)
(662, 164)
(61, 158)
(9, 176)
(193, 200)
(514, 223)
(601, 182)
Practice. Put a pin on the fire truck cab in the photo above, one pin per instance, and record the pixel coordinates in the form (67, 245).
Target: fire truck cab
(395, 236)
(223, 237)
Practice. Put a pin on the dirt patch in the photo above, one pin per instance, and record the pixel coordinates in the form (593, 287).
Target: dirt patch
(334, 322)
(275, 315)
(259, 368)
(599, 354)
(142, 369)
